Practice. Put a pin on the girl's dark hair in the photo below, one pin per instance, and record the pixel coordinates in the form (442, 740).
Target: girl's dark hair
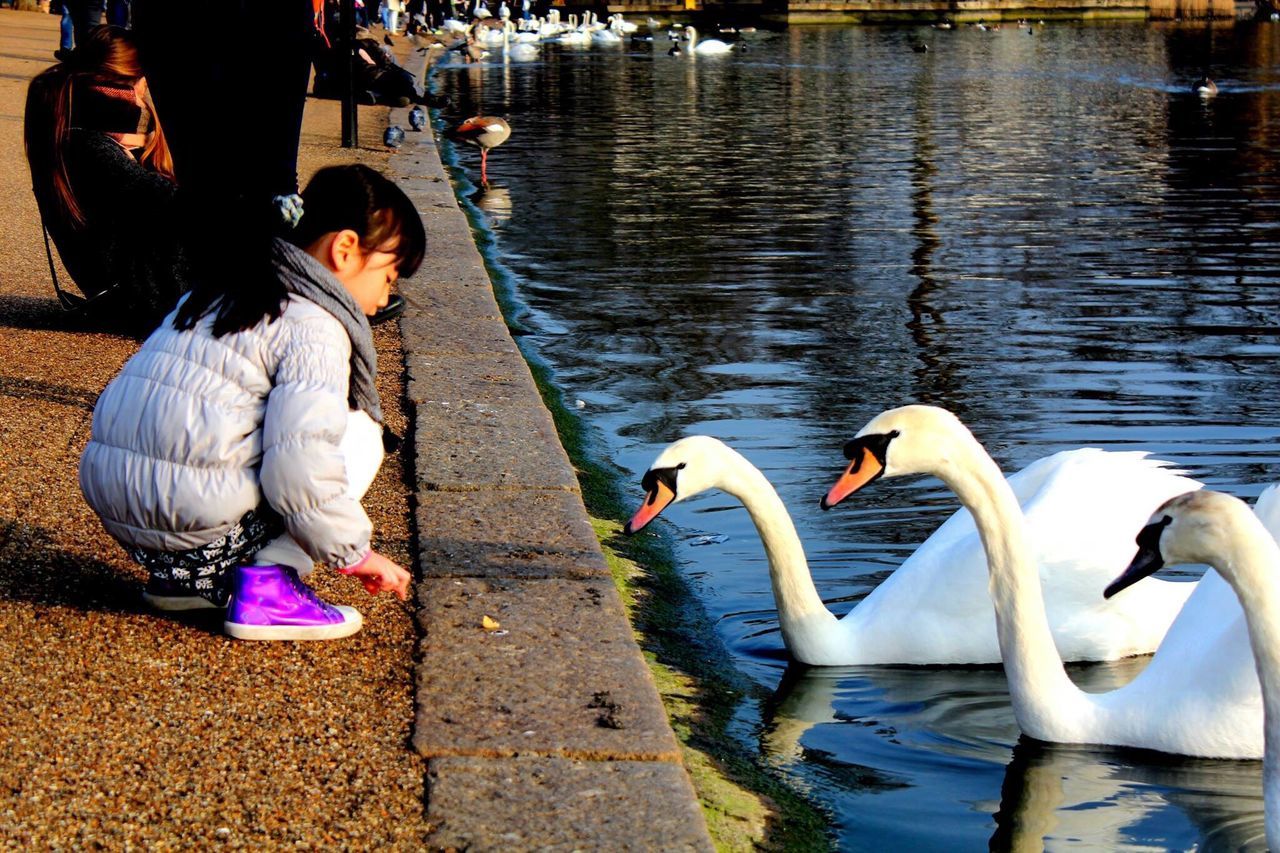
(337, 198)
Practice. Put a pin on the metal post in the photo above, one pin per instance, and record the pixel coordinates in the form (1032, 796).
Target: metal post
(347, 37)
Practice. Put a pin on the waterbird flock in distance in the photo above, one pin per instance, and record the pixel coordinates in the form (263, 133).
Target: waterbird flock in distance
(519, 40)
(1028, 574)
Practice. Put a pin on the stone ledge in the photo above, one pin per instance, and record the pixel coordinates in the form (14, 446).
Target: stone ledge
(506, 534)
(467, 444)
(562, 676)
(560, 804)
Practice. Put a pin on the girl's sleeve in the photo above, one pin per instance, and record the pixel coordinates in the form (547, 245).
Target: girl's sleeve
(304, 474)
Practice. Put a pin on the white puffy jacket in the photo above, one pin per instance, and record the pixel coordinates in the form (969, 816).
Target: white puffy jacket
(197, 430)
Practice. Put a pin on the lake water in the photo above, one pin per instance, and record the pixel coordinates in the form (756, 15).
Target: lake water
(1043, 230)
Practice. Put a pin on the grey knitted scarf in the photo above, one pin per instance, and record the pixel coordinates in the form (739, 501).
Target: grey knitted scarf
(312, 280)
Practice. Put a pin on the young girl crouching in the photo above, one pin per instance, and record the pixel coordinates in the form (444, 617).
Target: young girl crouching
(231, 453)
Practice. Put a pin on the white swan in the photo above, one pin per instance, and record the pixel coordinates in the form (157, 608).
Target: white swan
(1210, 527)
(520, 51)
(709, 47)
(1198, 696)
(523, 52)
(621, 25)
(605, 36)
(934, 609)
(575, 36)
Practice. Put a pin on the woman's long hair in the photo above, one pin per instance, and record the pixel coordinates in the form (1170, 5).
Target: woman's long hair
(107, 56)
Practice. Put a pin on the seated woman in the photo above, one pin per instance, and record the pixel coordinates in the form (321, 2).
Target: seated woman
(103, 180)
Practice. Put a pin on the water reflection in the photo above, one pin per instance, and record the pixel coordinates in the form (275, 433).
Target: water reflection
(1050, 235)
(865, 728)
(494, 201)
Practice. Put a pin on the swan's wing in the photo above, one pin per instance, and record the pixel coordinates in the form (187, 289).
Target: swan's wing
(1082, 521)
(1030, 486)
(1267, 508)
(1202, 678)
(1083, 509)
(935, 607)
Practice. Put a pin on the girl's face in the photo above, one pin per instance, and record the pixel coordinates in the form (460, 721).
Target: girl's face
(370, 284)
(367, 275)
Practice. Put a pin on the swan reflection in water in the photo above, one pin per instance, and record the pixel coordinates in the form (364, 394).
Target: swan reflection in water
(871, 742)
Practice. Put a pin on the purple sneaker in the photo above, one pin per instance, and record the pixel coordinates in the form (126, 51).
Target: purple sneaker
(272, 603)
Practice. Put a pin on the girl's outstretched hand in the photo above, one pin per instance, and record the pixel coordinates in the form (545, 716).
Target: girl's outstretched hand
(379, 574)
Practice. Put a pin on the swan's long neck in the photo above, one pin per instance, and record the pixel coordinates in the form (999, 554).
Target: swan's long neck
(1252, 567)
(1044, 698)
(806, 622)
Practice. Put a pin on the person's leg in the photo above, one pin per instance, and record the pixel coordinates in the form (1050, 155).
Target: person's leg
(66, 39)
(362, 450)
(85, 15)
(232, 114)
(207, 93)
(269, 601)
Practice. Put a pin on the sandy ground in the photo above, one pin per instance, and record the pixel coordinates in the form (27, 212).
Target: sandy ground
(121, 727)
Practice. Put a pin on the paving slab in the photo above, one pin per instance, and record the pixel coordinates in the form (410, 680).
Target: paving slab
(441, 330)
(560, 804)
(466, 444)
(560, 676)
(506, 534)
(542, 728)
(486, 378)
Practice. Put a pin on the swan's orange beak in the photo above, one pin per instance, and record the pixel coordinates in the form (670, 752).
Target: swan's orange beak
(659, 496)
(864, 468)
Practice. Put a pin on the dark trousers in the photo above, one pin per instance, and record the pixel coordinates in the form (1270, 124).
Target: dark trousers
(229, 93)
(118, 13)
(85, 15)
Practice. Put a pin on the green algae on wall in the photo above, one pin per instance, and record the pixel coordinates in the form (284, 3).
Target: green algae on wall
(747, 807)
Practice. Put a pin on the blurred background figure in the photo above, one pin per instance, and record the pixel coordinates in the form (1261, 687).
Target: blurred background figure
(85, 15)
(391, 10)
(232, 91)
(66, 32)
(103, 180)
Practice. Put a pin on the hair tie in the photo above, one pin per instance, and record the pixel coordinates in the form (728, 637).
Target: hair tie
(290, 207)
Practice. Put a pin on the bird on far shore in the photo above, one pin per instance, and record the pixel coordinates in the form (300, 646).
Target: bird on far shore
(417, 118)
(484, 132)
(393, 136)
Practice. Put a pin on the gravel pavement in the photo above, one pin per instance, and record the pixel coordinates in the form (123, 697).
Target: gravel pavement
(122, 727)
